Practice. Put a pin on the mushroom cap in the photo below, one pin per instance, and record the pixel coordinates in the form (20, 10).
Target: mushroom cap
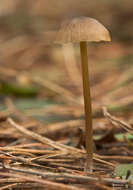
(81, 29)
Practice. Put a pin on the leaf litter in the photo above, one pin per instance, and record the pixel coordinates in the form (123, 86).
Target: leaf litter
(45, 153)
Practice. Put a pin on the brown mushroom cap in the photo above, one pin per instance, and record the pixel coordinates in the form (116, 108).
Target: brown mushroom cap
(82, 29)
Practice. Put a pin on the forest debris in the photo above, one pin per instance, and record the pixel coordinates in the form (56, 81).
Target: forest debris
(43, 140)
(49, 184)
(78, 178)
(66, 149)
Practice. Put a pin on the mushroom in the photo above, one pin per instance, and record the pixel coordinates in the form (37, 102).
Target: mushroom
(83, 30)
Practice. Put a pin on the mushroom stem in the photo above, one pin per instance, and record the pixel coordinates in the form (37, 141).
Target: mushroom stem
(87, 105)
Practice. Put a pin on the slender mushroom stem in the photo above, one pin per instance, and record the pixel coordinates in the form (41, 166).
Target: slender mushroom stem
(88, 109)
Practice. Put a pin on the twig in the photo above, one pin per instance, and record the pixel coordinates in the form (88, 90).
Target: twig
(66, 149)
(103, 187)
(44, 140)
(121, 158)
(53, 185)
(11, 180)
(9, 186)
(16, 158)
(117, 122)
(35, 136)
(22, 150)
(78, 178)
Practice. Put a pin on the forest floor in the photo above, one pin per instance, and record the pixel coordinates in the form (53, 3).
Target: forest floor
(42, 119)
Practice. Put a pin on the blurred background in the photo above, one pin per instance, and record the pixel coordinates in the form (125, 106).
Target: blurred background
(33, 68)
